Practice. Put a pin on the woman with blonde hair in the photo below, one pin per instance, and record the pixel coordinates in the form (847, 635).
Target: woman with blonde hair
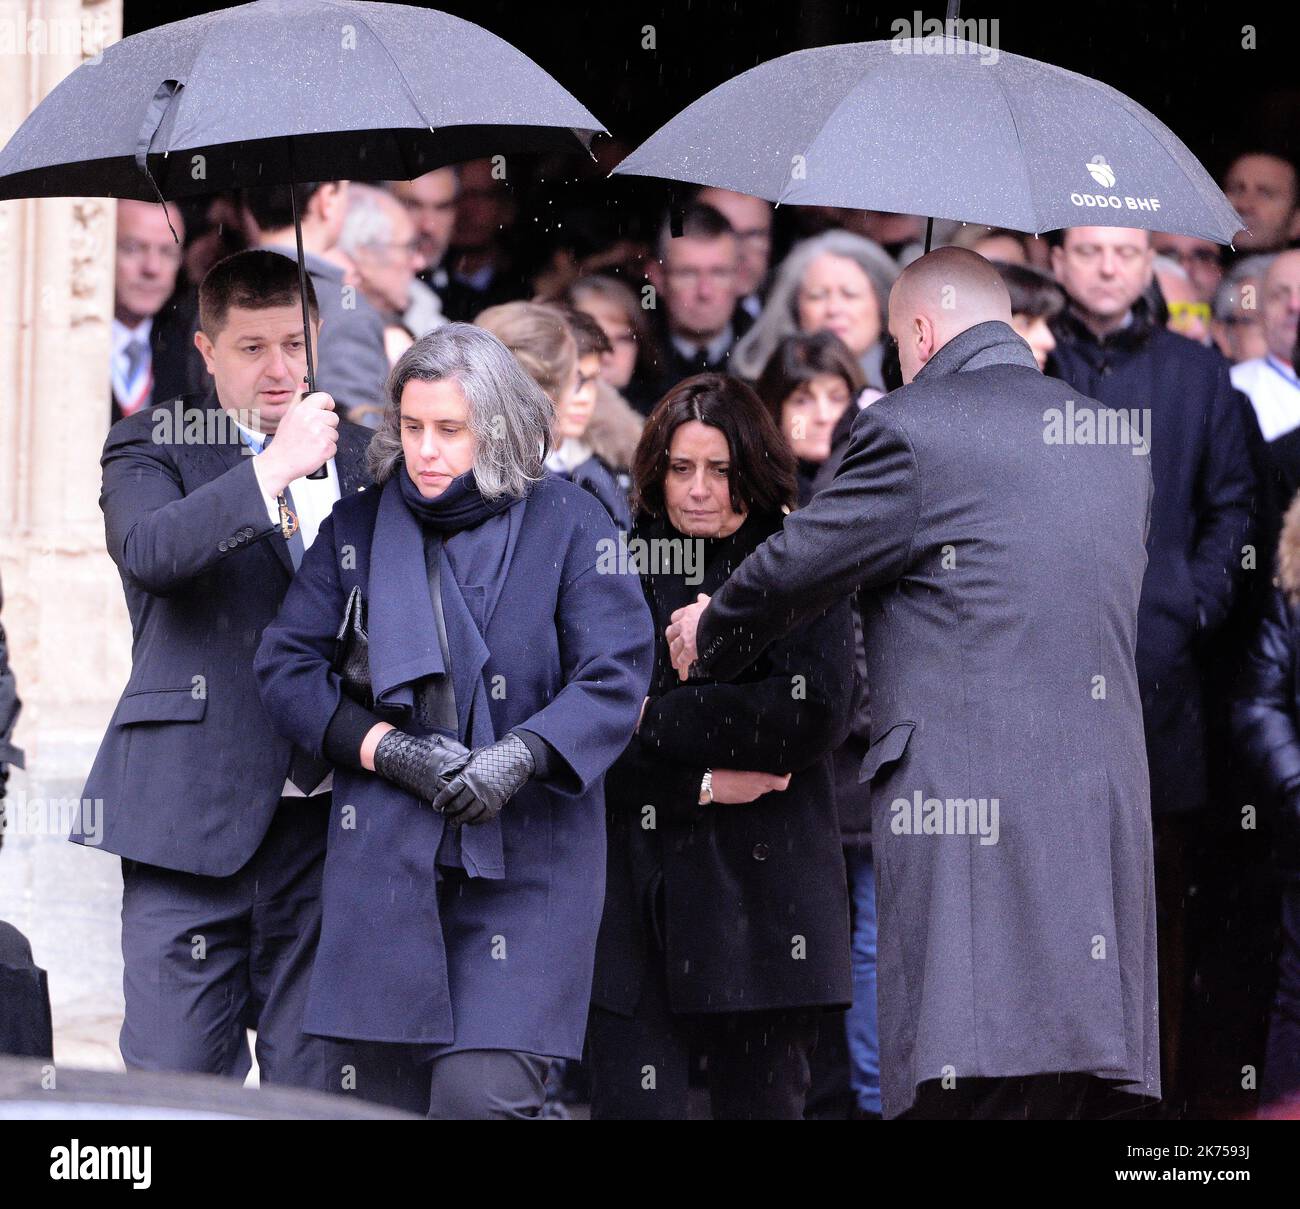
(540, 339)
(561, 350)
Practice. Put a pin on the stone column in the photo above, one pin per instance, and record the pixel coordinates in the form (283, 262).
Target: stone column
(69, 635)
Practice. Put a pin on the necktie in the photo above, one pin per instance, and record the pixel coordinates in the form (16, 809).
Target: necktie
(296, 546)
(137, 355)
(305, 770)
(136, 352)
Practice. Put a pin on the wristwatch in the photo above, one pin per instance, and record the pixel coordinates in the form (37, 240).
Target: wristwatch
(706, 787)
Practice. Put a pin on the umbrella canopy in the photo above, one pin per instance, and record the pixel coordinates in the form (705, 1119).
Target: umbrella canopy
(945, 128)
(288, 90)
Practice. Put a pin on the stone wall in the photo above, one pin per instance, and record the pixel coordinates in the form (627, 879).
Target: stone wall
(64, 614)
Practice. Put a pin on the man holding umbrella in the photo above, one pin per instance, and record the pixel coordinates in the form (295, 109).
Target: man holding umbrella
(219, 822)
(998, 569)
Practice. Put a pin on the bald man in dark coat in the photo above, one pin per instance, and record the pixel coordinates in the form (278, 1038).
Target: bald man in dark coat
(997, 536)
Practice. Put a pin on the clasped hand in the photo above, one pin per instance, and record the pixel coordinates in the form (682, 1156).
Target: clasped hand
(681, 635)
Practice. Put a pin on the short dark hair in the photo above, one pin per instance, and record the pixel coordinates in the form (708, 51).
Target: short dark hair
(1032, 291)
(1272, 153)
(253, 280)
(761, 473)
(800, 358)
(699, 221)
(588, 335)
(272, 207)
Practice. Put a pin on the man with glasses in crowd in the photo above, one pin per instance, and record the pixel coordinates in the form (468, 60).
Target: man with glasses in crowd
(696, 282)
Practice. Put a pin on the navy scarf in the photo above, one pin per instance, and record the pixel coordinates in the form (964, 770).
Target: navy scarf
(403, 636)
(461, 506)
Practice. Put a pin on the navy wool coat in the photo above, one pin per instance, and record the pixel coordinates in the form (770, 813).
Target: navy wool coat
(505, 960)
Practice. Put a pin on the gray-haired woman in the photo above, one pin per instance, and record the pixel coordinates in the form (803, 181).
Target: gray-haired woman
(837, 282)
(499, 675)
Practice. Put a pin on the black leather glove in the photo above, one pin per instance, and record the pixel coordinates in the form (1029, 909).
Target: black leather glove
(493, 775)
(420, 764)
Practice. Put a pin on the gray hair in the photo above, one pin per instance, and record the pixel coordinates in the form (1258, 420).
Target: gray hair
(1248, 268)
(779, 317)
(509, 414)
(369, 219)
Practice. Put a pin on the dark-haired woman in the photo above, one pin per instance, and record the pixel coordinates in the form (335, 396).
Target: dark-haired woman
(809, 385)
(1036, 299)
(726, 917)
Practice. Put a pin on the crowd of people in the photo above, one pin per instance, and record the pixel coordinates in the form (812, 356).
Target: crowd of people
(645, 874)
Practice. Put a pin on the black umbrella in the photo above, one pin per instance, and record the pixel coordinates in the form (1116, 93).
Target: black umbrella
(288, 90)
(943, 127)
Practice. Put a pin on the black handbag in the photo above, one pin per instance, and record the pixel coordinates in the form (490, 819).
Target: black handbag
(352, 651)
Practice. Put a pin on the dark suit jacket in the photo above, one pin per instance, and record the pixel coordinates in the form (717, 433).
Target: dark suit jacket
(674, 367)
(1202, 518)
(177, 366)
(191, 768)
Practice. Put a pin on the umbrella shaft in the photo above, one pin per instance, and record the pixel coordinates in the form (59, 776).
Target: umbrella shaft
(320, 472)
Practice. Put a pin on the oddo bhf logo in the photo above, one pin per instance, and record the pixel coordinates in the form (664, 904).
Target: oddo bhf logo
(1104, 175)
(1101, 171)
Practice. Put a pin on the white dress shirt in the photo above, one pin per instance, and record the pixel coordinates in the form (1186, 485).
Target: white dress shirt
(313, 500)
(1274, 393)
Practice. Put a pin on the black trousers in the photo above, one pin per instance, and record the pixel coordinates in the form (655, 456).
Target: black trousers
(208, 957)
(758, 1062)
